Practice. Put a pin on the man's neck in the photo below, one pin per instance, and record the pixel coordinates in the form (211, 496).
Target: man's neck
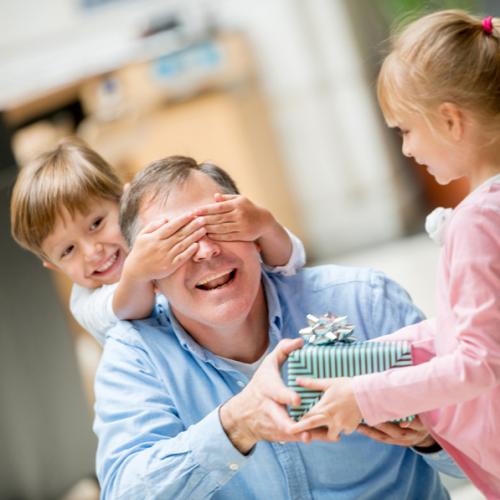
(244, 341)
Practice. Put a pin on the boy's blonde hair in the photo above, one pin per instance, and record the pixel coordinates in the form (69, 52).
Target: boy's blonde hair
(447, 56)
(69, 176)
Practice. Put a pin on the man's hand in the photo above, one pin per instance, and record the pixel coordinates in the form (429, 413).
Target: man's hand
(258, 412)
(337, 410)
(163, 246)
(234, 217)
(411, 433)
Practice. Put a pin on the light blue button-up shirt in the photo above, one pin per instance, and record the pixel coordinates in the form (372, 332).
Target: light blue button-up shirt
(158, 394)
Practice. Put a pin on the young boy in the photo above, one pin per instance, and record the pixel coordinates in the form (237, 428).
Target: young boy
(65, 209)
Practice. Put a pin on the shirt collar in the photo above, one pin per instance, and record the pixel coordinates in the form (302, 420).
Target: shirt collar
(165, 316)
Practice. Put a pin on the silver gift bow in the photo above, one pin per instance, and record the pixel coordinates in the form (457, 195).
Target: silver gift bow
(327, 329)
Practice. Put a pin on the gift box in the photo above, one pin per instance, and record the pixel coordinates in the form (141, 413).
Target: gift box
(331, 351)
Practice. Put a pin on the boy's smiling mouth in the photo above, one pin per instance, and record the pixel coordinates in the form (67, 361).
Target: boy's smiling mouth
(108, 264)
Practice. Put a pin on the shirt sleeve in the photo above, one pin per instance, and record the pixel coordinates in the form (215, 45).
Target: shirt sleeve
(442, 462)
(93, 309)
(145, 450)
(296, 261)
(473, 367)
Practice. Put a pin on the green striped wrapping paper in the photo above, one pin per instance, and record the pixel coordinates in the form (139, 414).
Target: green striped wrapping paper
(342, 360)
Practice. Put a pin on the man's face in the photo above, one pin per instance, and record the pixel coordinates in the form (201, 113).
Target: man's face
(218, 286)
(89, 248)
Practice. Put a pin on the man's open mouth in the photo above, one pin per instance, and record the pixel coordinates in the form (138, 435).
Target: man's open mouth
(216, 281)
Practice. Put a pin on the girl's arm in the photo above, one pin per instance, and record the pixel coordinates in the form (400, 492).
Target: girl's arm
(472, 315)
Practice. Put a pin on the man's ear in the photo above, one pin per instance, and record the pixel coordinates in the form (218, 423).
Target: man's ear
(453, 119)
(49, 265)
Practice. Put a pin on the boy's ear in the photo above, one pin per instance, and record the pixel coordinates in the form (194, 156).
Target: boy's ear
(49, 265)
(453, 119)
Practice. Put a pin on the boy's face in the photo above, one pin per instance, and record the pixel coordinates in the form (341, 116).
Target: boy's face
(89, 249)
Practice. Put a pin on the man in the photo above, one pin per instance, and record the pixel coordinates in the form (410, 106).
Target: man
(183, 409)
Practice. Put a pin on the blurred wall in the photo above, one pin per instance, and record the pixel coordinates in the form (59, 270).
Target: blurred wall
(45, 423)
(312, 65)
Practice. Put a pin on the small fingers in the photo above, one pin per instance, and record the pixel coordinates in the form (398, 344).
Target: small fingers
(372, 433)
(219, 197)
(188, 240)
(226, 237)
(153, 225)
(218, 220)
(173, 226)
(215, 208)
(185, 255)
(223, 228)
(309, 422)
(319, 384)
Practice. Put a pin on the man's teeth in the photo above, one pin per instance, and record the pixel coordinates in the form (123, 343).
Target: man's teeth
(214, 281)
(108, 263)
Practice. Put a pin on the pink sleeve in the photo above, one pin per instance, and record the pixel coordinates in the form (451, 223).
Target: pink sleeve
(420, 336)
(473, 367)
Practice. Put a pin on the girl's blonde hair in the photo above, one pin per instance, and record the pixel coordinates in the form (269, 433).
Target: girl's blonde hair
(446, 56)
(70, 176)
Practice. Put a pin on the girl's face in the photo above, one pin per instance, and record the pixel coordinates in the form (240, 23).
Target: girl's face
(431, 148)
(89, 248)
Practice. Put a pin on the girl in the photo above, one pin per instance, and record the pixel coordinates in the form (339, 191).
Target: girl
(440, 86)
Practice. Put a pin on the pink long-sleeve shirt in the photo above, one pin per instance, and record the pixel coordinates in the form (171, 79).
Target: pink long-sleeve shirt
(455, 383)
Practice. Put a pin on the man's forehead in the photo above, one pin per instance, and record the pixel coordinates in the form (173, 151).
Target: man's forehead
(198, 190)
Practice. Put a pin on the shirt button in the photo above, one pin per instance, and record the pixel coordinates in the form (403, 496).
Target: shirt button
(234, 466)
(240, 383)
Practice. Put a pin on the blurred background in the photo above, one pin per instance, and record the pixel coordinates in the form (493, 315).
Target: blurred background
(281, 93)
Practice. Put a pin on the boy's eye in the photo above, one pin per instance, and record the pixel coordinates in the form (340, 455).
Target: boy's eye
(402, 132)
(67, 251)
(96, 223)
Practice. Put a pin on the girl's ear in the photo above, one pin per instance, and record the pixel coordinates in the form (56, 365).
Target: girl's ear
(453, 120)
(49, 265)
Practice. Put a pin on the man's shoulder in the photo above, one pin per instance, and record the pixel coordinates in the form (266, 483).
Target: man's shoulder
(135, 332)
(328, 276)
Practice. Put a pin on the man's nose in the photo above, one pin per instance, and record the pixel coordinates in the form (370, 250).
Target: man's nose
(92, 251)
(207, 249)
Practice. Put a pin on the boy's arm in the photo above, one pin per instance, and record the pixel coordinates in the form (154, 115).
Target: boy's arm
(159, 250)
(236, 218)
(133, 298)
(93, 309)
(296, 257)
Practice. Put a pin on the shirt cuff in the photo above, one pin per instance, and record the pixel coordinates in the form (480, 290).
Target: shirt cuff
(427, 450)
(213, 450)
(296, 261)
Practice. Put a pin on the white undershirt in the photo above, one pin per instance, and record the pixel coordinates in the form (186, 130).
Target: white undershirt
(247, 369)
